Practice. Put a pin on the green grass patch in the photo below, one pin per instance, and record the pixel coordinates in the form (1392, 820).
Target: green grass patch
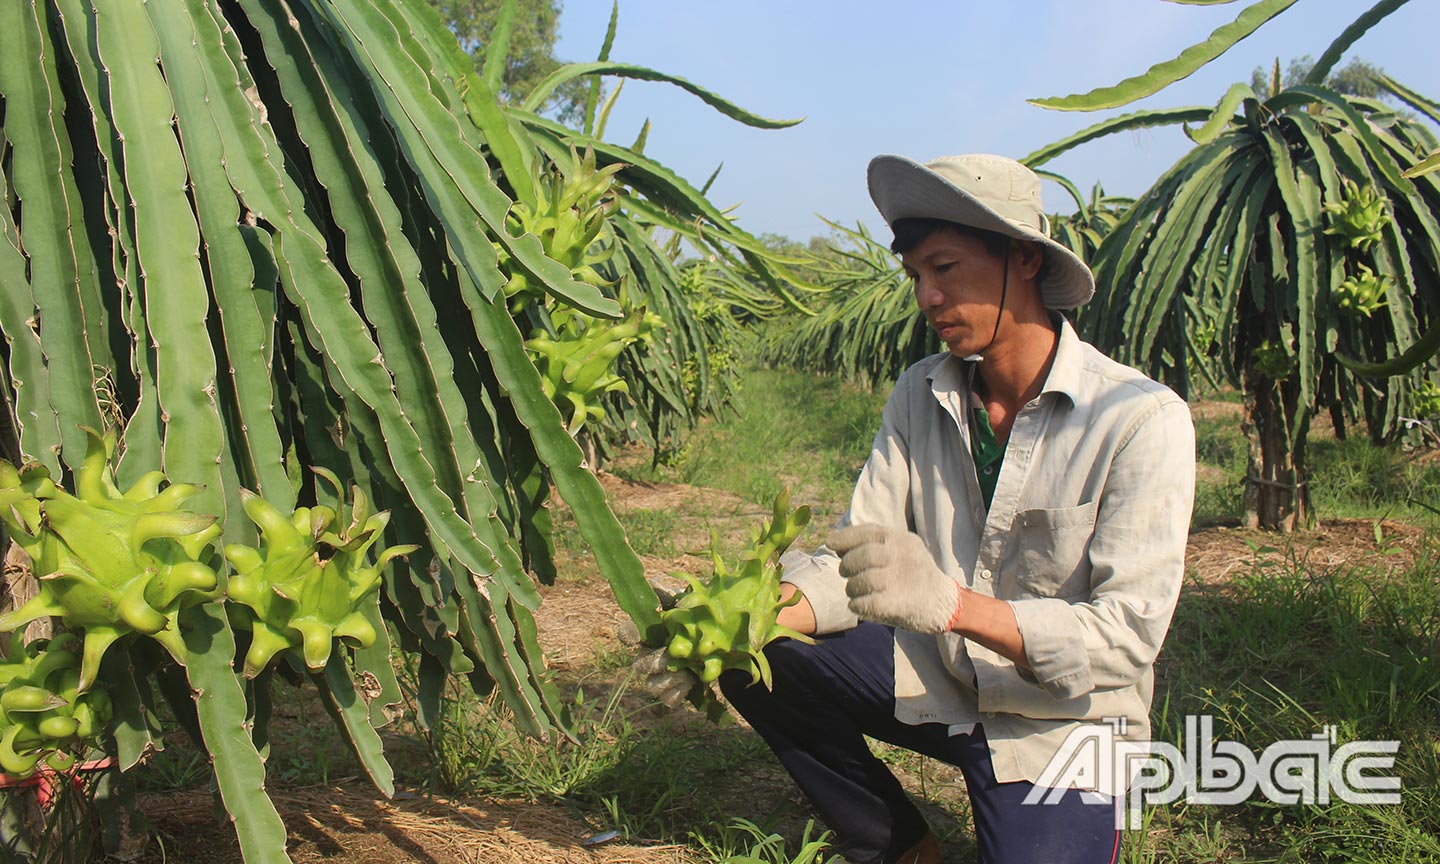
(809, 433)
(744, 842)
(674, 782)
(1350, 479)
(1356, 478)
(651, 532)
(1220, 452)
(1279, 653)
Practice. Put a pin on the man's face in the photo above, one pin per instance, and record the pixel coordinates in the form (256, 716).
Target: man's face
(958, 285)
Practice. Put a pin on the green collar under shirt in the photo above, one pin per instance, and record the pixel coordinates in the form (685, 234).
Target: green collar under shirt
(987, 452)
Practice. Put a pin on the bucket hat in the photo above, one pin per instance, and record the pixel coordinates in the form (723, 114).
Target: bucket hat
(982, 191)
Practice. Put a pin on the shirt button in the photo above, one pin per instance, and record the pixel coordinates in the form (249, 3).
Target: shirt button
(984, 574)
(989, 469)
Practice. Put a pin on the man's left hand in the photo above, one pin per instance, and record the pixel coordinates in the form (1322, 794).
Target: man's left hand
(892, 579)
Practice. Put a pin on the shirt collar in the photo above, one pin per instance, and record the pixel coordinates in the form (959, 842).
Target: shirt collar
(1064, 374)
(951, 373)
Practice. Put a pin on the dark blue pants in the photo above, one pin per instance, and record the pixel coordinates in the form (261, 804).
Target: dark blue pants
(829, 695)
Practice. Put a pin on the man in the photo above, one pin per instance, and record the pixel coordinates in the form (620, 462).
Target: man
(1012, 553)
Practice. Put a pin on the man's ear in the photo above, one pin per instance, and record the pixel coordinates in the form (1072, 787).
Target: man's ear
(1029, 258)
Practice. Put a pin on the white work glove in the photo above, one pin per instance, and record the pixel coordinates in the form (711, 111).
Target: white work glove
(892, 579)
(668, 686)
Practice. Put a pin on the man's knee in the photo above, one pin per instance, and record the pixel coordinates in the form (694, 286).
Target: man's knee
(852, 671)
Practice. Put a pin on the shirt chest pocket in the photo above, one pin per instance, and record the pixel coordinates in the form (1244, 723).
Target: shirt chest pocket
(1055, 551)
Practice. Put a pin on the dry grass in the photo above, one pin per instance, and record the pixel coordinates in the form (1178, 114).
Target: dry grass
(1216, 553)
(349, 823)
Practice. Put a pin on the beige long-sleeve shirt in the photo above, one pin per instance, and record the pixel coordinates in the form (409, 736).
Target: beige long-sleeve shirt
(1085, 538)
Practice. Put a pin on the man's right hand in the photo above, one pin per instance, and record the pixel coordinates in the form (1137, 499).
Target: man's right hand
(671, 686)
(668, 686)
(652, 665)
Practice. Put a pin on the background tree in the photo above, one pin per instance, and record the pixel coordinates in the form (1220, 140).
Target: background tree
(531, 54)
(1356, 78)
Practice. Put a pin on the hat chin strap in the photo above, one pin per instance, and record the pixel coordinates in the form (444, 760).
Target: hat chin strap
(1004, 292)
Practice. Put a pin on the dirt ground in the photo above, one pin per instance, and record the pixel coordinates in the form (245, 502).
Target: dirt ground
(352, 824)
(578, 622)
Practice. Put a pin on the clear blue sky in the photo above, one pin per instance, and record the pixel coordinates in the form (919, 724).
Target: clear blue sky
(925, 78)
